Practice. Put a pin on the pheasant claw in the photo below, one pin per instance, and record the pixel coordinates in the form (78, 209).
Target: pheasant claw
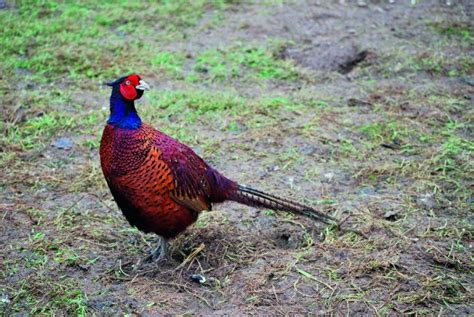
(160, 253)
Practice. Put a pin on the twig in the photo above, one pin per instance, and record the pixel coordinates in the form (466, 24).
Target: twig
(310, 276)
(191, 256)
(74, 204)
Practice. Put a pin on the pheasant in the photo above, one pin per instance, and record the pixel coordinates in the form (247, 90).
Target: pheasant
(160, 184)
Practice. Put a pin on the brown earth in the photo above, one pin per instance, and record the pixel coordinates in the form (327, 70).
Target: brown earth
(401, 248)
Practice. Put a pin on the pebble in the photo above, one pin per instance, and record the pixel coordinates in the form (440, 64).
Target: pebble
(63, 143)
(468, 81)
(329, 176)
(198, 278)
(367, 191)
(426, 201)
(4, 299)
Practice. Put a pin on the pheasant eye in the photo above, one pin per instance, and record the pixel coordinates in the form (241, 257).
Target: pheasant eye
(127, 82)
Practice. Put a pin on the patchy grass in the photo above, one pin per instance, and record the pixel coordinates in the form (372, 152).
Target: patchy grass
(448, 56)
(50, 40)
(242, 61)
(170, 62)
(461, 30)
(387, 148)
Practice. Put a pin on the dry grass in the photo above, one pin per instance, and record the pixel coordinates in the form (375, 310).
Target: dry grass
(387, 149)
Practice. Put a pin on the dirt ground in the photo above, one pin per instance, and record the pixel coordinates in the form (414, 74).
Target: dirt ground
(361, 109)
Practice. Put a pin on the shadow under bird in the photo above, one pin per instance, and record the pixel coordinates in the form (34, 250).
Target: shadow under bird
(160, 184)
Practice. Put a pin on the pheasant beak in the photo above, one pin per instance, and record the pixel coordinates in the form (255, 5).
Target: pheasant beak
(142, 85)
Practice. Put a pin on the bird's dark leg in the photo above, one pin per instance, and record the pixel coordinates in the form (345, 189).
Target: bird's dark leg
(160, 252)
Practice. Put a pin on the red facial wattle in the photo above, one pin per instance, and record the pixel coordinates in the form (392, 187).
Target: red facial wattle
(127, 87)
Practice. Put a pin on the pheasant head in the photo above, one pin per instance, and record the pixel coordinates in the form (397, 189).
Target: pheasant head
(125, 91)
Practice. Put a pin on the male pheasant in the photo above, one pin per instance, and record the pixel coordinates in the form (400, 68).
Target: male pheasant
(160, 184)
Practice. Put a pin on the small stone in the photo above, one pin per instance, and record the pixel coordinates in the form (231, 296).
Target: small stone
(4, 299)
(391, 214)
(354, 102)
(329, 176)
(367, 191)
(63, 143)
(198, 278)
(308, 149)
(19, 116)
(273, 168)
(426, 201)
(468, 81)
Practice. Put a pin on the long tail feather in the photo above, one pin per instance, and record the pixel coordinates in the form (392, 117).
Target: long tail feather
(255, 198)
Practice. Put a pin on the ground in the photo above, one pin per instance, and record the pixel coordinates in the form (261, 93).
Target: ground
(361, 109)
